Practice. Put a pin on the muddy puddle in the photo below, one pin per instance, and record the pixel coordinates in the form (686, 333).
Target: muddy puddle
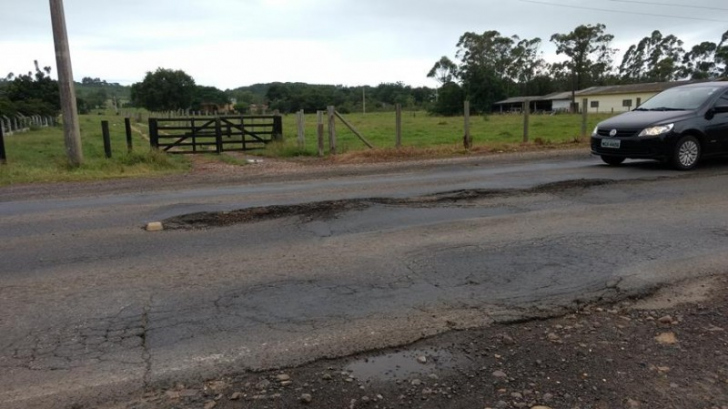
(418, 363)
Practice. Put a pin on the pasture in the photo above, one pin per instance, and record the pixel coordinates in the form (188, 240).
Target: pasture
(421, 131)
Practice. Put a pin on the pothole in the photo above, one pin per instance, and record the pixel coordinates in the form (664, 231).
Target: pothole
(405, 364)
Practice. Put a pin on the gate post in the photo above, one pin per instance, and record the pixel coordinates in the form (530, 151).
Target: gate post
(278, 128)
(218, 135)
(153, 133)
(3, 158)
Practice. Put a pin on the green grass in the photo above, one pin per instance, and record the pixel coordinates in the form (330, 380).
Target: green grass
(422, 131)
(40, 156)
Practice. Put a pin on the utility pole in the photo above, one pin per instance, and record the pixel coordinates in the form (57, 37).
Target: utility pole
(71, 129)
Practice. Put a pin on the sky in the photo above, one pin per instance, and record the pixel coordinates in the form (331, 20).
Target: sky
(233, 43)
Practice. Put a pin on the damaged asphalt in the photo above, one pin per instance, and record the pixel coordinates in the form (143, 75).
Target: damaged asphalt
(94, 309)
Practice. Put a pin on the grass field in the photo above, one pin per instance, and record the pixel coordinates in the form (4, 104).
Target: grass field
(39, 155)
(421, 131)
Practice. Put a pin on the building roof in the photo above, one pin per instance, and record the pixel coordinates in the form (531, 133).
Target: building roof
(631, 88)
(558, 96)
(519, 100)
(601, 90)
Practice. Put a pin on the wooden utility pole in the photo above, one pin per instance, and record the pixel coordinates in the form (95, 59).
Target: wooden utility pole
(71, 129)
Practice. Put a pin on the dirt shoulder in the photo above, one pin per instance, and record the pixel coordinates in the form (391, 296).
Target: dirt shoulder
(668, 351)
(207, 172)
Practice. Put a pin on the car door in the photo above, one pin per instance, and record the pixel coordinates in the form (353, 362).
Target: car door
(717, 126)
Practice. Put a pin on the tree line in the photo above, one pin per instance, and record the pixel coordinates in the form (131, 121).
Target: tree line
(487, 67)
(490, 66)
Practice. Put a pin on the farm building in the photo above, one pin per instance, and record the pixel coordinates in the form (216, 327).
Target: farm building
(622, 98)
(605, 99)
(515, 104)
(556, 102)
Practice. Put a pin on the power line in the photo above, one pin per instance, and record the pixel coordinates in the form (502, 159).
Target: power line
(669, 5)
(634, 13)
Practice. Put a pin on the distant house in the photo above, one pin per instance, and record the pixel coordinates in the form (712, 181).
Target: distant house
(216, 108)
(515, 104)
(622, 98)
(605, 99)
(556, 102)
(560, 101)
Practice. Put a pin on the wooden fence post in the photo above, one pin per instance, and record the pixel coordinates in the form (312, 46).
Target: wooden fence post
(3, 158)
(320, 132)
(277, 128)
(526, 119)
(300, 124)
(153, 133)
(398, 128)
(107, 138)
(127, 126)
(218, 135)
(467, 137)
(584, 118)
(332, 130)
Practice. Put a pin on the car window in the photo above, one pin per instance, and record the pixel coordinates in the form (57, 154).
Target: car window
(681, 98)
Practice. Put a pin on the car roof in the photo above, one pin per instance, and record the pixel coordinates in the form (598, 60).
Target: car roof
(721, 84)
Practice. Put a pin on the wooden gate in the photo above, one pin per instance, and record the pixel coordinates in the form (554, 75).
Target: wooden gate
(216, 135)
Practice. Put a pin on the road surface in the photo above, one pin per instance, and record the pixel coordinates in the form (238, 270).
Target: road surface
(94, 308)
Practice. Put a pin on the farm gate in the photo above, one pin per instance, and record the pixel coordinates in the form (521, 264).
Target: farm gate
(214, 135)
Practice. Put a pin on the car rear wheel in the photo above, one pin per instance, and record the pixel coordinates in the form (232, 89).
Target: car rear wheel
(612, 160)
(687, 153)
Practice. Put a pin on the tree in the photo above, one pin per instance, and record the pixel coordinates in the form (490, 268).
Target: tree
(589, 52)
(656, 58)
(444, 71)
(164, 90)
(707, 60)
(208, 96)
(32, 94)
(450, 100)
(492, 65)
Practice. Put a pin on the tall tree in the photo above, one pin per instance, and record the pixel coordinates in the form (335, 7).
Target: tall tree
(444, 71)
(491, 65)
(707, 60)
(208, 95)
(656, 58)
(164, 90)
(589, 52)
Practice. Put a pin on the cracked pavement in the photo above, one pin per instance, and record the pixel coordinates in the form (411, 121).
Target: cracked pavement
(93, 308)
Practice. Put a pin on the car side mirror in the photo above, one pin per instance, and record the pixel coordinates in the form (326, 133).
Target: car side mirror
(720, 109)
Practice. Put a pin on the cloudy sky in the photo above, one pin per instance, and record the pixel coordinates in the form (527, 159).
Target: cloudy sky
(231, 43)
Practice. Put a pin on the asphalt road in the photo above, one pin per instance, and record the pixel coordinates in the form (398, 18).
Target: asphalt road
(92, 307)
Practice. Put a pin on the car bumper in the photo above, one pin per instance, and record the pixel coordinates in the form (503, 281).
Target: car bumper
(658, 147)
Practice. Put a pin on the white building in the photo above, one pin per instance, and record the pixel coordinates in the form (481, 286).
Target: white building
(622, 98)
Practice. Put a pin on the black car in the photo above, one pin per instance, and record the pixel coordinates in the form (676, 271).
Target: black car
(679, 126)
